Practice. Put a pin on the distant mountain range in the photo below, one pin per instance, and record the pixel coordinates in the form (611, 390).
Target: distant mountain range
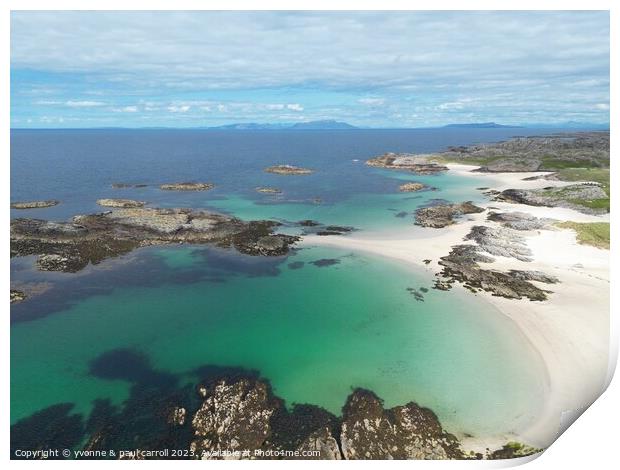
(482, 125)
(310, 125)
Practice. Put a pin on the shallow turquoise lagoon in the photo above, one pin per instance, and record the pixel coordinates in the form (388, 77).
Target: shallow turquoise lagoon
(315, 332)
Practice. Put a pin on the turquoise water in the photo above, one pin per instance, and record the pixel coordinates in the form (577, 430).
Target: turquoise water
(314, 332)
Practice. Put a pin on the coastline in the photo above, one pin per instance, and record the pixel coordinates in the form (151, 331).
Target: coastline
(564, 330)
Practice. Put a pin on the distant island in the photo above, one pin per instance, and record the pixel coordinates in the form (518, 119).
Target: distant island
(310, 125)
(481, 125)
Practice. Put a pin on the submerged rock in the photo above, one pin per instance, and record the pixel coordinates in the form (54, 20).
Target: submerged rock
(128, 185)
(187, 186)
(288, 170)
(442, 215)
(34, 204)
(419, 164)
(71, 246)
(124, 203)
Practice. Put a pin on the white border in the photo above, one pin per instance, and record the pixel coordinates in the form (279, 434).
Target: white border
(590, 441)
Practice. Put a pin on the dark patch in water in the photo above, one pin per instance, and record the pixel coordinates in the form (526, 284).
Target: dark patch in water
(132, 366)
(401, 214)
(296, 265)
(142, 268)
(53, 427)
(324, 262)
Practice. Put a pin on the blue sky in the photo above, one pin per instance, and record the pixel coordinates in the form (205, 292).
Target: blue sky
(378, 69)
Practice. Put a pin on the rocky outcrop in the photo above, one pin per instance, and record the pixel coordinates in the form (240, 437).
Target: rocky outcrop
(500, 241)
(288, 170)
(334, 230)
(575, 196)
(536, 153)
(124, 203)
(411, 187)
(268, 190)
(461, 265)
(34, 204)
(17, 295)
(442, 215)
(419, 164)
(187, 186)
(520, 220)
(234, 417)
(71, 246)
(404, 432)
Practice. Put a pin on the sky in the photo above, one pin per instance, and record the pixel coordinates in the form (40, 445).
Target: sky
(370, 69)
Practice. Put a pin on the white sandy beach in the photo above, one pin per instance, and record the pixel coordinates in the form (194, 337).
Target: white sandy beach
(570, 330)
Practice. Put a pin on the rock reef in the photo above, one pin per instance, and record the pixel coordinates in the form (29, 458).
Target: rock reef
(123, 203)
(187, 186)
(268, 190)
(288, 170)
(441, 215)
(418, 164)
(71, 246)
(17, 295)
(34, 204)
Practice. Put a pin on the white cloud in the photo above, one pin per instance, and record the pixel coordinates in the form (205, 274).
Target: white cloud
(372, 101)
(295, 107)
(179, 108)
(126, 109)
(83, 104)
(602, 106)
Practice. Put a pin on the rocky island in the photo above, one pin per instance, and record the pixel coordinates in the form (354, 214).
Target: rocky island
(124, 203)
(187, 186)
(288, 170)
(268, 190)
(411, 187)
(34, 204)
(71, 246)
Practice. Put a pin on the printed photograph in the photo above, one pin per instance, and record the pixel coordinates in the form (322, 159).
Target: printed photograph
(312, 235)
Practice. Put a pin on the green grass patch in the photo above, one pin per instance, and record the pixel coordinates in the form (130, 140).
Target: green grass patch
(551, 163)
(593, 233)
(599, 175)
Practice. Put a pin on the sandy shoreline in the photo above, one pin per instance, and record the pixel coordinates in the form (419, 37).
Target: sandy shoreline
(569, 330)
